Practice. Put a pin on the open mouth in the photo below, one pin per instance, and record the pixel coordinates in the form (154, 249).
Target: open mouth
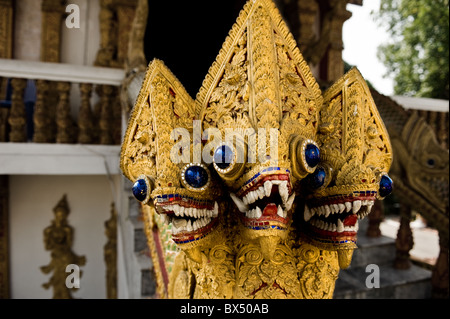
(191, 219)
(339, 216)
(265, 199)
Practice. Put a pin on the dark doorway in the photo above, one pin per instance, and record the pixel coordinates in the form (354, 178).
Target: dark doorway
(187, 35)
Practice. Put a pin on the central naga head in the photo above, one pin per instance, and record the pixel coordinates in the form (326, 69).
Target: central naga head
(262, 102)
(261, 174)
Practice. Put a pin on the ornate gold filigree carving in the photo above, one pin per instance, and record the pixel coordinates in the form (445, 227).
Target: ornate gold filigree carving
(240, 228)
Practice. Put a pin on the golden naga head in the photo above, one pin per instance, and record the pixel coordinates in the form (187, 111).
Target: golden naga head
(157, 156)
(259, 105)
(356, 155)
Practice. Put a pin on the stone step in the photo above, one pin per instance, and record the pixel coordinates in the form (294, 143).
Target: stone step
(355, 283)
(372, 263)
(380, 250)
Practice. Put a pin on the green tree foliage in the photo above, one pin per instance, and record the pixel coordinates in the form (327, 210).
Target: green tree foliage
(417, 57)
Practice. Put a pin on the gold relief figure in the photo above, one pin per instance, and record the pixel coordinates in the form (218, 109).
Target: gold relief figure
(228, 181)
(58, 239)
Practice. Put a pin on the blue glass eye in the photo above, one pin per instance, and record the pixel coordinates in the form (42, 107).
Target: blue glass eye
(223, 156)
(386, 186)
(196, 176)
(312, 155)
(140, 190)
(316, 179)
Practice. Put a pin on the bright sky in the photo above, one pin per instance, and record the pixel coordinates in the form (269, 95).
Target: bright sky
(361, 37)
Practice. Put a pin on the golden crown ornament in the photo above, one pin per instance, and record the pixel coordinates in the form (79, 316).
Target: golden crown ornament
(254, 189)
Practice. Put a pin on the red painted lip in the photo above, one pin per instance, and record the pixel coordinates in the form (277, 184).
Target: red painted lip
(260, 181)
(333, 234)
(186, 236)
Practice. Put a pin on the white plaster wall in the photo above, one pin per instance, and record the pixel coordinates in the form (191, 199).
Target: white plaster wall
(80, 45)
(32, 199)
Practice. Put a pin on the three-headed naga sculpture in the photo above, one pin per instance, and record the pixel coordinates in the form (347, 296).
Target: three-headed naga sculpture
(254, 189)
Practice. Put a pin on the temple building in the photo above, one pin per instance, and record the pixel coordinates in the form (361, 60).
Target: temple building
(70, 72)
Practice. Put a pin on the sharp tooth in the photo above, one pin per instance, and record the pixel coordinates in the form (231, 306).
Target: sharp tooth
(280, 211)
(356, 206)
(356, 226)
(336, 208)
(370, 205)
(340, 226)
(267, 188)
(327, 210)
(165, 219)
(348, 206)
(195, 225)
(216, 210)
(182, 209)
(332, 208)
(239, 204)
(341, 207)
(260, 192)
(251, 197)
(289, 202)
(179, 223)
(255, 196)
(322, 224)
(314, 211)
(245, 200)
(283, 190)
(322, 210)
(364, 202)
(333, 227)
(189, 226)
(247, 197)
(258, 212)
